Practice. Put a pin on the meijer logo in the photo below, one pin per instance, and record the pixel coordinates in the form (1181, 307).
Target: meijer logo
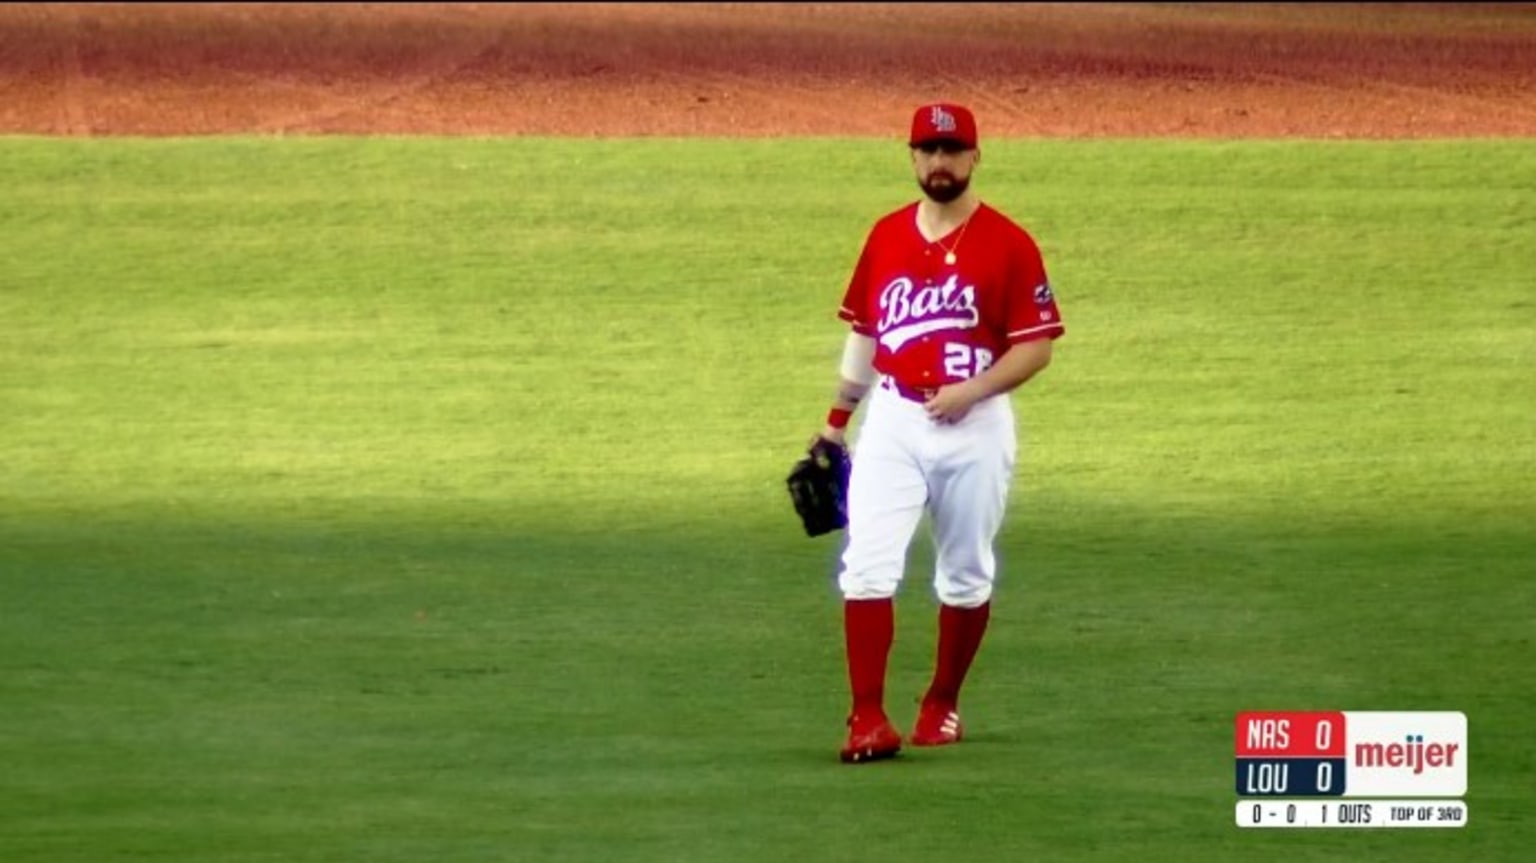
(1407, 754)
(1414, 754)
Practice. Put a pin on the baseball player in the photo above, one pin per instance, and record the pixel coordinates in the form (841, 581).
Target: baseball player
(950, 311)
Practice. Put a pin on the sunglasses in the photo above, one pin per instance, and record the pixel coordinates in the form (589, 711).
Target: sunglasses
(947, 147)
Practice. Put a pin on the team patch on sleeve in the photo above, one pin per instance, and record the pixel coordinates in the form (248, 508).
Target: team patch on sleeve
(1043, 295)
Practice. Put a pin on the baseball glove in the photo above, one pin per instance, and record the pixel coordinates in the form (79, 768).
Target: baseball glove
(818, 487)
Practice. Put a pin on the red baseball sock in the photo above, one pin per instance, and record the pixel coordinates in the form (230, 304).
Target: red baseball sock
(960, 632)
(869, 626)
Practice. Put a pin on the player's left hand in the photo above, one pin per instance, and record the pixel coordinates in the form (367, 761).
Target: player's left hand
(952, 402)
(835, 435)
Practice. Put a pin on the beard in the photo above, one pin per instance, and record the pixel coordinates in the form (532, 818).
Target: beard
(943, 192)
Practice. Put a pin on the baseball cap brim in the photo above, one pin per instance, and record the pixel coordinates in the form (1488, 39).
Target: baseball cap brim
(943, 139)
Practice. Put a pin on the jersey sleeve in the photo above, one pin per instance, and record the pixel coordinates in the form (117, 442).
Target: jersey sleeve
(1032, 311)
(855, 307)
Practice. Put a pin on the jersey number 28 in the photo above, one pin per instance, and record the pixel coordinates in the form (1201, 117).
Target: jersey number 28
(963, 361)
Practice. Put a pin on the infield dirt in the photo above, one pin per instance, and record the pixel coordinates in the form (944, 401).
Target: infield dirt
(1030, 70)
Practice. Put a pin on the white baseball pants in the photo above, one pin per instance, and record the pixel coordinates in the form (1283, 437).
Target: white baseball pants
(904, 463)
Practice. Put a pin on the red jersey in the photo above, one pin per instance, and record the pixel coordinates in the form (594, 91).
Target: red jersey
(936, 323)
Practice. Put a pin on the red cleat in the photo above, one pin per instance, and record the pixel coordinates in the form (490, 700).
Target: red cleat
(937, 725)
(870, 738)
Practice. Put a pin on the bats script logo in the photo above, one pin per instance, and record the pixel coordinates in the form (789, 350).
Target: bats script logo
(906, 314)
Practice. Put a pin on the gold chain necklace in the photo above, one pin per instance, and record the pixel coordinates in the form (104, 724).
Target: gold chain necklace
(949, 251)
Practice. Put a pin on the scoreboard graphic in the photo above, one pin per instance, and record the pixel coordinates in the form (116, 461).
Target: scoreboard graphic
(1351, 769)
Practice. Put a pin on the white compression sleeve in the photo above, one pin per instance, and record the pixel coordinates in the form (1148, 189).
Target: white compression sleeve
(858, 359)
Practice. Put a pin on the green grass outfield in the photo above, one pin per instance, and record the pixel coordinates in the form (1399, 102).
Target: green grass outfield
(414, 500)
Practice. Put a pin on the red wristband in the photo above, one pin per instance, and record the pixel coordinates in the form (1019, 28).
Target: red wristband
(838, 418)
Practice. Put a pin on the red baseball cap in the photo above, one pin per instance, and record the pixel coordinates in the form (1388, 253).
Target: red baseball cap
(943, 122)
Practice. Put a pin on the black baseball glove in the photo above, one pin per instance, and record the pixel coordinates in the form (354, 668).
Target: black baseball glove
(818, 486)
